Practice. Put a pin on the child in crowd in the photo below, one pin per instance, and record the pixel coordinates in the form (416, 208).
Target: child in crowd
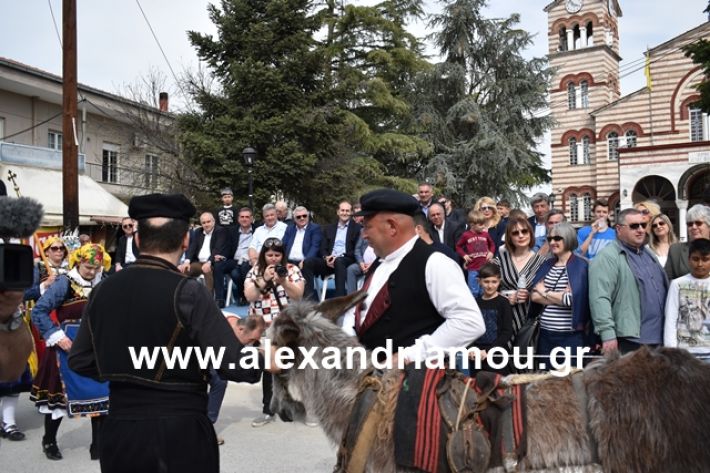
(476, 247)
(688, 304)
(497, 316)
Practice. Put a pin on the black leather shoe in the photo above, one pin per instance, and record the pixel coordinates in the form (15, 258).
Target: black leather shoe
(11, 432)
(93, 452)
(51, 451)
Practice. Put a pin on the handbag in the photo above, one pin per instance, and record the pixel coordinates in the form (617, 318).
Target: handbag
(528, 335)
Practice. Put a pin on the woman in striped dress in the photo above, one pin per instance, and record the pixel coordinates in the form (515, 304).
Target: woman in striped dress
(560, 294)
(518, 265)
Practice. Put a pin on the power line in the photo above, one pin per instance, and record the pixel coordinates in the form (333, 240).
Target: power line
(4, 138)
(54, 21)
(162, 51)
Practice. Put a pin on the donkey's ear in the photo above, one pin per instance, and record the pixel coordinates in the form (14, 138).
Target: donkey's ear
(285, 331)
(331, 309)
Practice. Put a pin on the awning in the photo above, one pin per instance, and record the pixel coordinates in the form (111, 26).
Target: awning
(96, 204)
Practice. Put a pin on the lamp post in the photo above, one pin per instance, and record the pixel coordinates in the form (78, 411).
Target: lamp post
(249, 154)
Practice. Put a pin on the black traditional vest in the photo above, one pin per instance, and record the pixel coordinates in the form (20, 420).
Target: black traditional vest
(411, 313)
(136, 307)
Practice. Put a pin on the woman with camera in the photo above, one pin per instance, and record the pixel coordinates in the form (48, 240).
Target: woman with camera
(269, 287)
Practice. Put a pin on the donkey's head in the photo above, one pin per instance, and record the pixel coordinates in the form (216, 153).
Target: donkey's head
(307, 325)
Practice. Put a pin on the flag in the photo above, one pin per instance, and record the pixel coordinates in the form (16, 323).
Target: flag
(647, 72)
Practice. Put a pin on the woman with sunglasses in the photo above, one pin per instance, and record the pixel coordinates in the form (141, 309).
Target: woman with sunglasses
(493, 225)
(649, 210)
(45, 274)
(661, 237)
(698, 221)
(560, 294)
(518, 265)
(269, 287)
(56, 315)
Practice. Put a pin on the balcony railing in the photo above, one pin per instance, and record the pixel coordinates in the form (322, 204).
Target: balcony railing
(35, 156)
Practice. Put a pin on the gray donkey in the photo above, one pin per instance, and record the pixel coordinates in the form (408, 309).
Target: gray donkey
(645, 412)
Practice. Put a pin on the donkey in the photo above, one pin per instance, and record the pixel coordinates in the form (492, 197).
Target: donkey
(645, 412)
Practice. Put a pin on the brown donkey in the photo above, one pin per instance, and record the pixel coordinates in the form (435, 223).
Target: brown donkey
(647, 412)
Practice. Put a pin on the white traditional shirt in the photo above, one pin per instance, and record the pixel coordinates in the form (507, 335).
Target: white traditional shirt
(448, 293)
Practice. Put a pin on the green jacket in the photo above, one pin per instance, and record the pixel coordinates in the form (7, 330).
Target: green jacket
(614, 298)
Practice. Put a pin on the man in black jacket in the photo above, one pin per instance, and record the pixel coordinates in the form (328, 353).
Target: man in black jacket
(444, 230)
(126, 248)
(158, 418)
(337, 252)
(210, 246)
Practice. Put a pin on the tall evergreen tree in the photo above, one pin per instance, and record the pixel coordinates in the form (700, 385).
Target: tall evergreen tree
(371, 63)
(481, 107)
(271, 96)
(326, 114)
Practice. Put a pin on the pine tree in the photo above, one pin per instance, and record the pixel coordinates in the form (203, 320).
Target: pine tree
(480, 108)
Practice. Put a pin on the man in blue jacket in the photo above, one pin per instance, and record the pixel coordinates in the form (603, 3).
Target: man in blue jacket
(302, 238)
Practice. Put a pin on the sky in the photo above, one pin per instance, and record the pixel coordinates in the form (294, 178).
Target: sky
(116, 47)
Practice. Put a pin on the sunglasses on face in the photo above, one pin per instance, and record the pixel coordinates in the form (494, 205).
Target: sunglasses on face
(550, 239)
(523, 232)
(130, 225)
(301, 217)
(486, 207)
(697, 223)
(273, 242)
(645, 211)
(634, 226)
(56, 248)
(659, 224)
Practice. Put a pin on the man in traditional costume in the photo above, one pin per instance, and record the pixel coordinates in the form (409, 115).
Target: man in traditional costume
(158, 419)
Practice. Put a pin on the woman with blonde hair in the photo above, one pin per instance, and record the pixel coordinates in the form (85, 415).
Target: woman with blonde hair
(649, 210)
(661, 237)
(488, 206)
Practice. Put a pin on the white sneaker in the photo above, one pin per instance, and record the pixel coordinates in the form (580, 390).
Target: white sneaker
(262, 420)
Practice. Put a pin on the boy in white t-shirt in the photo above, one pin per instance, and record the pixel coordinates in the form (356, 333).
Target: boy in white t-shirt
(687, 322)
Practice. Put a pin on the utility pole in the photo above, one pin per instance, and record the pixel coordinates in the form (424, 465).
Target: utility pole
(70, 147)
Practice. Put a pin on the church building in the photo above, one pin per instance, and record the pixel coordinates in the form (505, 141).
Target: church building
(652, 144)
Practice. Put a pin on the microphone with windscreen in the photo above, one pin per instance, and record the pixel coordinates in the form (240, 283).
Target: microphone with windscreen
(19, 218)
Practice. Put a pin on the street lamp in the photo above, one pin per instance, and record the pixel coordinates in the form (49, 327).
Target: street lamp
(249, 154)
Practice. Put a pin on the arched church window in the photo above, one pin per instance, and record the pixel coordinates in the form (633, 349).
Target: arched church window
(631, 139)
(584, 92)
(571, 96)
(696, 123)
(577, 37)
(587, 205)
(573, 208)
(563, 39)
(573, 151)
(590, 34)
(585, 150)
(613, 145)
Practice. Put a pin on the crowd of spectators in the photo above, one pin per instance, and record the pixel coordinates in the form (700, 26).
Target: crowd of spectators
(620, 283)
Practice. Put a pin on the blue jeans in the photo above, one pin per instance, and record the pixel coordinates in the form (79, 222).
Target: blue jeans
(473, 283)
(549, 340)
(218, 386)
